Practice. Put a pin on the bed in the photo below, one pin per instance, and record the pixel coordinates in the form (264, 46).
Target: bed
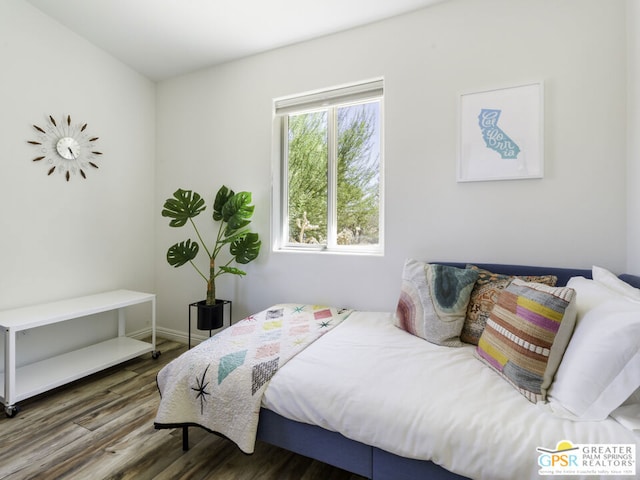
(372, 398)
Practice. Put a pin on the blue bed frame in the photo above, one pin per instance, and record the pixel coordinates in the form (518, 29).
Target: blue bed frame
(371, 462)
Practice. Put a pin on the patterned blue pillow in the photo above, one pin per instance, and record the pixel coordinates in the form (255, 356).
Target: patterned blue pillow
(433, 301)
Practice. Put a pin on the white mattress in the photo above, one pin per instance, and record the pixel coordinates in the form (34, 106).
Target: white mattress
(379, 385)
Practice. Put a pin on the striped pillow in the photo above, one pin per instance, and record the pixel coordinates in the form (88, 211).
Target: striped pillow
(527, 333)
(484, 296)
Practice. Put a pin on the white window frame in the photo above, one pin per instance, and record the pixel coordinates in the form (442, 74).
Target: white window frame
(345, 95)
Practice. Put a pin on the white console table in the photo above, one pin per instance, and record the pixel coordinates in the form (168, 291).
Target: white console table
(35, 378)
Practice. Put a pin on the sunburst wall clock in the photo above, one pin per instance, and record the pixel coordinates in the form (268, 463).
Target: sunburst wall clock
(66, 147)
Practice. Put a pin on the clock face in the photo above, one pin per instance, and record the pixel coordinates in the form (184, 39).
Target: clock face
(66, 148)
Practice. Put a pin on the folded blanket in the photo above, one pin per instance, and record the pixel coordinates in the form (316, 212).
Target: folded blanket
(219, 384)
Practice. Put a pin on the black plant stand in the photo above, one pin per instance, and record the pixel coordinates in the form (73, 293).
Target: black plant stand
(195, 304)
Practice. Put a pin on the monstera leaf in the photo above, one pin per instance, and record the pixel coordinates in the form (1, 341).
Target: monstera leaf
(182, 252)
(246, 248)
(184, 205)
(233, 270)
(237, 212)
(222, 197)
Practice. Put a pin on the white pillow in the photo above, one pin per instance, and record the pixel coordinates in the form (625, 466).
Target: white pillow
(628, 416)
(611, 281)
(590, 294)
(634, 398)
(601, 365)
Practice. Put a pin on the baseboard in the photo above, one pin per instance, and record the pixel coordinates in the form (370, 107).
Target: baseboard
(169, 334)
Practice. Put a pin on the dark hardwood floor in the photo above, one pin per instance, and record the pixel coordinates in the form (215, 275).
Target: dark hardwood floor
(101, 427)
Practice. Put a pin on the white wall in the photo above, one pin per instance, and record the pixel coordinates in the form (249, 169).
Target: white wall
(633, 138)
(63, 239)
(214, 127)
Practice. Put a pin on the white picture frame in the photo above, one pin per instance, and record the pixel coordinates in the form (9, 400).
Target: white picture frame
(501, 134)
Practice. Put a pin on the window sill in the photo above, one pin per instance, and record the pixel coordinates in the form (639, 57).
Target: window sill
(325, 251)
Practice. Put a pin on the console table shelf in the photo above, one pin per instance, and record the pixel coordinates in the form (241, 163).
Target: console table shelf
(26, 381)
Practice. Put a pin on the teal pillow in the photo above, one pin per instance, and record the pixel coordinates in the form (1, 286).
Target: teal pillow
(433, 301)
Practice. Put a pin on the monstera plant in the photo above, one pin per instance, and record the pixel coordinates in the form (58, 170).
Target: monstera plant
(233, 212)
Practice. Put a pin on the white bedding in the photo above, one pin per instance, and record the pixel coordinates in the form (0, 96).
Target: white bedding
(379, 385)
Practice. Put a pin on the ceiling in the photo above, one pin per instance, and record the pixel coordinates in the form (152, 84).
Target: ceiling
(164, 38)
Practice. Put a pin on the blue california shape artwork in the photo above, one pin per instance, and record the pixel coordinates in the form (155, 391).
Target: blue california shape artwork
(494, 137)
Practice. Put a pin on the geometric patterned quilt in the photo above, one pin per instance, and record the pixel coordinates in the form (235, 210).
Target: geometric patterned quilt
(218, 385)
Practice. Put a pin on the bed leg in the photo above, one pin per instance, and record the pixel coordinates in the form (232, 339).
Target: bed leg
(185, 438)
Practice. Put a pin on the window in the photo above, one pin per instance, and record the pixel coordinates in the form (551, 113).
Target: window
(328, 191)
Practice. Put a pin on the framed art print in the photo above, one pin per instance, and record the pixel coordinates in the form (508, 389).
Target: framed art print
(501, 134)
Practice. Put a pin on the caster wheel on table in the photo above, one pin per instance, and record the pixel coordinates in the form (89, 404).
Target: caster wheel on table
(155, 354)
(11, 411)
